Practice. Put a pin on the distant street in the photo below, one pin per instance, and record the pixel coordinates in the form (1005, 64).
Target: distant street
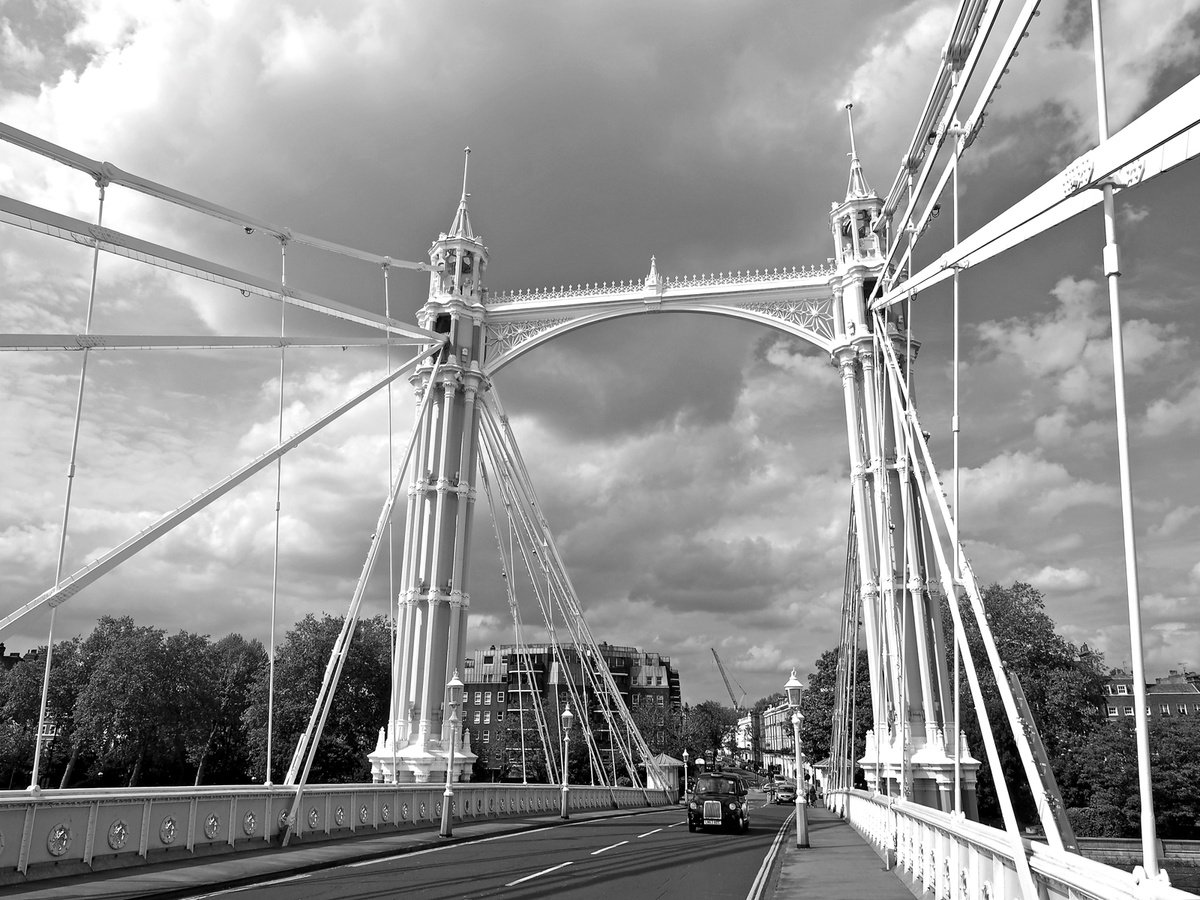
(643, 855)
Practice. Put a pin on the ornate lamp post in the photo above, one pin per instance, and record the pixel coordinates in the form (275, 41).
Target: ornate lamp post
(567, 719)
(454, 693)
(685, 759)
(793, 688)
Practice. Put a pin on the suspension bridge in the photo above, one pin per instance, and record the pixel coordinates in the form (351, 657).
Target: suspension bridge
(904, 556)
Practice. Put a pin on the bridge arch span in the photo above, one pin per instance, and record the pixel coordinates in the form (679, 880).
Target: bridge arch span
(811, 320)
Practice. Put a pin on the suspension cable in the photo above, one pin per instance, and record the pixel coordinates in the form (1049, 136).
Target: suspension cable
(278, 494)
(62, 537)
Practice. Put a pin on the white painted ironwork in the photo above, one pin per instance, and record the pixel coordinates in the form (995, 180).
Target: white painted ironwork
(948, 856)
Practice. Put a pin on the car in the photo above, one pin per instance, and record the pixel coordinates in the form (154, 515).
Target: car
(719, 801)
(786, 794)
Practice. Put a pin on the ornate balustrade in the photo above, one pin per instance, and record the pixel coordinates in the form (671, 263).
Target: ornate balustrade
(947, 857)
(671, 282)
(71, 832)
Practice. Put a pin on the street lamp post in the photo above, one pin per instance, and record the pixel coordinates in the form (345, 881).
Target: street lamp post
(454, 692)
(567, 719)
(793, 688)
(685, 759)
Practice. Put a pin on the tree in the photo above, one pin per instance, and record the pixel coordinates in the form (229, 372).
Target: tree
(360, 702)
(1063, 684)
(1100, 784)
(218, 747)
(126, 699)
(710, 728)
(818, 703)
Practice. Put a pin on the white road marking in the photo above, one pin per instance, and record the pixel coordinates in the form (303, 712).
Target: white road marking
(609, 847)
(539, 874)
(648, 833)
(764, 871)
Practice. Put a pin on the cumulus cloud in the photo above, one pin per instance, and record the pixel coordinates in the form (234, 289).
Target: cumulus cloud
(1069, 348)
(693, 469)
(1069, 580)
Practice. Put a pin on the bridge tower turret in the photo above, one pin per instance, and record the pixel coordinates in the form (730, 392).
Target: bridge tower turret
(910, 749)
(433, 600)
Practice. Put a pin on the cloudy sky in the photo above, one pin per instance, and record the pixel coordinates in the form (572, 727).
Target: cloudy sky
(693, 468)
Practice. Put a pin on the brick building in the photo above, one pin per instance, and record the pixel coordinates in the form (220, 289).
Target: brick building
(1173, 695)
(495, 687)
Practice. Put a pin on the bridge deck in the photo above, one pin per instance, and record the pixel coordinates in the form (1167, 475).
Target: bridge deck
(838, 864)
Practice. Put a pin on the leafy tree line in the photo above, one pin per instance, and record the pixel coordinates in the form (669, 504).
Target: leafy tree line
(1094, 760)
(130, 705)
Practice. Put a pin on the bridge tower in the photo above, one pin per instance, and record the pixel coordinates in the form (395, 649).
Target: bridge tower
(910, 748)
(433, 599)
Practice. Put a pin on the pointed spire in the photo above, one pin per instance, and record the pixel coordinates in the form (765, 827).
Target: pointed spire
(461, 226)
(857, 186)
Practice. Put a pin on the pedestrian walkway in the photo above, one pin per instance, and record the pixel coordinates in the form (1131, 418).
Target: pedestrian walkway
(838, 865)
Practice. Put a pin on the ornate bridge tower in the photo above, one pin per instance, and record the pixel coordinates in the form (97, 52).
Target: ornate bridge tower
(910, 749)
(432, 619)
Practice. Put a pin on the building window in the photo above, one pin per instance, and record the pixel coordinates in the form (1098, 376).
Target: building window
(634, 700)
(658, 680)
(1164, 708)
(487, 699)
(1122, 689)
(1196, 708)
(1129, 710)
(499, 696)
(660, 699)
(476, 717)
(487, 737)
(1112, 711)
(1183, 709)
(477, 696)
(487, 717)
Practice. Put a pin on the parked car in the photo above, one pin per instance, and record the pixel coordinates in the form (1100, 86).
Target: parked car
(786, 793)
(719, 801)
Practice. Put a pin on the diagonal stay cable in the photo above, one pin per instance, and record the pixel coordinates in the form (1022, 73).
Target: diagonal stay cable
(101, 566)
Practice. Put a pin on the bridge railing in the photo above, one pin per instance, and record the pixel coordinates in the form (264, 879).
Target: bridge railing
(58, 833)
(948, 856)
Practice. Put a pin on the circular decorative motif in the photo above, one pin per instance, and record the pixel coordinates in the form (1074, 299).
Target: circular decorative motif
(423, 810)
(118, 834)
(212, 825)
(339, 816)
(166, 831)
(249, 823)
(384, 813)
(478, 804)
(501, 804)
(522, 804)
(284, 819)
(437, 808)
(362, 814)
(58, 841)
(404, 812)
(491, 804)
(313, 817)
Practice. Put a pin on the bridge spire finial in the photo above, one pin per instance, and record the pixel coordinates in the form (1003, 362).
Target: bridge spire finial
(857, 186)
(461, 226)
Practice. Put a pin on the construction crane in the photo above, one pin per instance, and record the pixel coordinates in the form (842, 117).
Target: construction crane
(737, 701)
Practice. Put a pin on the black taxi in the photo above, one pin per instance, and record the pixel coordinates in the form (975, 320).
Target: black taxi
(718, 800)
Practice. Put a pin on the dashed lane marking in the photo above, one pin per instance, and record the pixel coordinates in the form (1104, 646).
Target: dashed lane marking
(539, 874)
